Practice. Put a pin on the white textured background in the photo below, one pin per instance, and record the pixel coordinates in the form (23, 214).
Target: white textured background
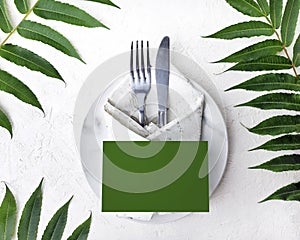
(44, 146)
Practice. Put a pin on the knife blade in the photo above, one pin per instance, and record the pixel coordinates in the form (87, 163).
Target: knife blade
(162, 73)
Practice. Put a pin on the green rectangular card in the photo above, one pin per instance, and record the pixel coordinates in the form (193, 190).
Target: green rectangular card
(155, 176)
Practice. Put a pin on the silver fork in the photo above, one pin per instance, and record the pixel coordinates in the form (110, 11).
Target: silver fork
(140, 81)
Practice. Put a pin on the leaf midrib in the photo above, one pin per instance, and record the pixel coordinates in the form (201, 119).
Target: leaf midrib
(26, 60)
(271, 83)
(46, 36)
(288, 22)
(246, 30)
(276, 126)
(12, 87)
(253, 7)
(30, 219)
(283, 103)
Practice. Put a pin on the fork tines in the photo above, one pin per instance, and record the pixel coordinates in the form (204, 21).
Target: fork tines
(139, 69)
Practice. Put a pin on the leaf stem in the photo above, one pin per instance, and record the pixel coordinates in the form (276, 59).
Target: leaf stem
(16, 27)
(284, 49)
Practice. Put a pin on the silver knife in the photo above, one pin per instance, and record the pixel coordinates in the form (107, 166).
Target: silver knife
(162, 72)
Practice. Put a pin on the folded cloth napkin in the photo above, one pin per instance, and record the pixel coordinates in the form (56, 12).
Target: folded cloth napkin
(184, 116)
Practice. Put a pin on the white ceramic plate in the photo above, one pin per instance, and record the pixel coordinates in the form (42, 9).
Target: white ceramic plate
(92, 96)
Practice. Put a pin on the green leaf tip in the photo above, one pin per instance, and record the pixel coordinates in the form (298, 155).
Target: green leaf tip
(82, 231)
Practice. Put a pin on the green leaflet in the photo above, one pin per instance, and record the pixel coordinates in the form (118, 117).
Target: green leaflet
(8, 215)
(26, 58)
(29, 222)
(56, 226)
(288, 193)
(14, 86)
(5, 24)
(275, 101)
(281, 164)
(66, 13)
(270, 82)
(278, 125)
(244, 29)
(289, 21)
(276, 12)
(287, 142)
(107, 2)
(82, 231)
(265, 48)
(264, 63)
(264, 6)
(22, 6)
(5, 123)
(296, 58)
(47, 35)
(248, 7)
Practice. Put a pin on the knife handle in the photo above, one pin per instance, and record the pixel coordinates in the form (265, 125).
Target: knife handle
(162, 118)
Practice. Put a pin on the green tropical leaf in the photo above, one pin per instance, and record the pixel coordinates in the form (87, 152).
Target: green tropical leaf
(270, 82)
(66, 13)
(278, 125)
(14, 86)
(47, 35)
(29, 222)
(281, 164)
(82, 231)
(258, 50)
(276, 12)
(275, 101)
(296, 58)
(287, 142)
(248, 7)
(32, 61)
(5, 123)
(107, 2)
(22, 6)
(289, 21)
(244, 29)
(288, 193)
(265, 63)
(5, 24)
(56, 226)
(264, 6)
(8, 215)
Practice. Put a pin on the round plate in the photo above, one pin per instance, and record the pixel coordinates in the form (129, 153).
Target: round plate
(105, 77)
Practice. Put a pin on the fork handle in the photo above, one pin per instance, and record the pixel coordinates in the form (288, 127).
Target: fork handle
(142, 117)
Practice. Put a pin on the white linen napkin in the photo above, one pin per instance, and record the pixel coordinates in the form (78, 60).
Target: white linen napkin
(184, 117)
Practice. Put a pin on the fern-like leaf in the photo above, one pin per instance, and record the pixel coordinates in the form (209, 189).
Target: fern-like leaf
(264, 63)
(5, 24)
(296, 57)
(270, 82)
(244, 29)
(47, 35)
(5, 122)
(22, 6)
(29, 222)
(82, 231)
(278, 125)
(289, 21)
(14, 86)
(247, 7)
(270, 101)
(276, 12)
(281, 164)
(258, 50)
(66, 13)
(56, 226)
(290, 192)
(287, 142)
(26, 58)
(8, 215)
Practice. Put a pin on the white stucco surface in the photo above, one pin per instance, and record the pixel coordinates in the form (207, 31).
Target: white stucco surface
(45, 147)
